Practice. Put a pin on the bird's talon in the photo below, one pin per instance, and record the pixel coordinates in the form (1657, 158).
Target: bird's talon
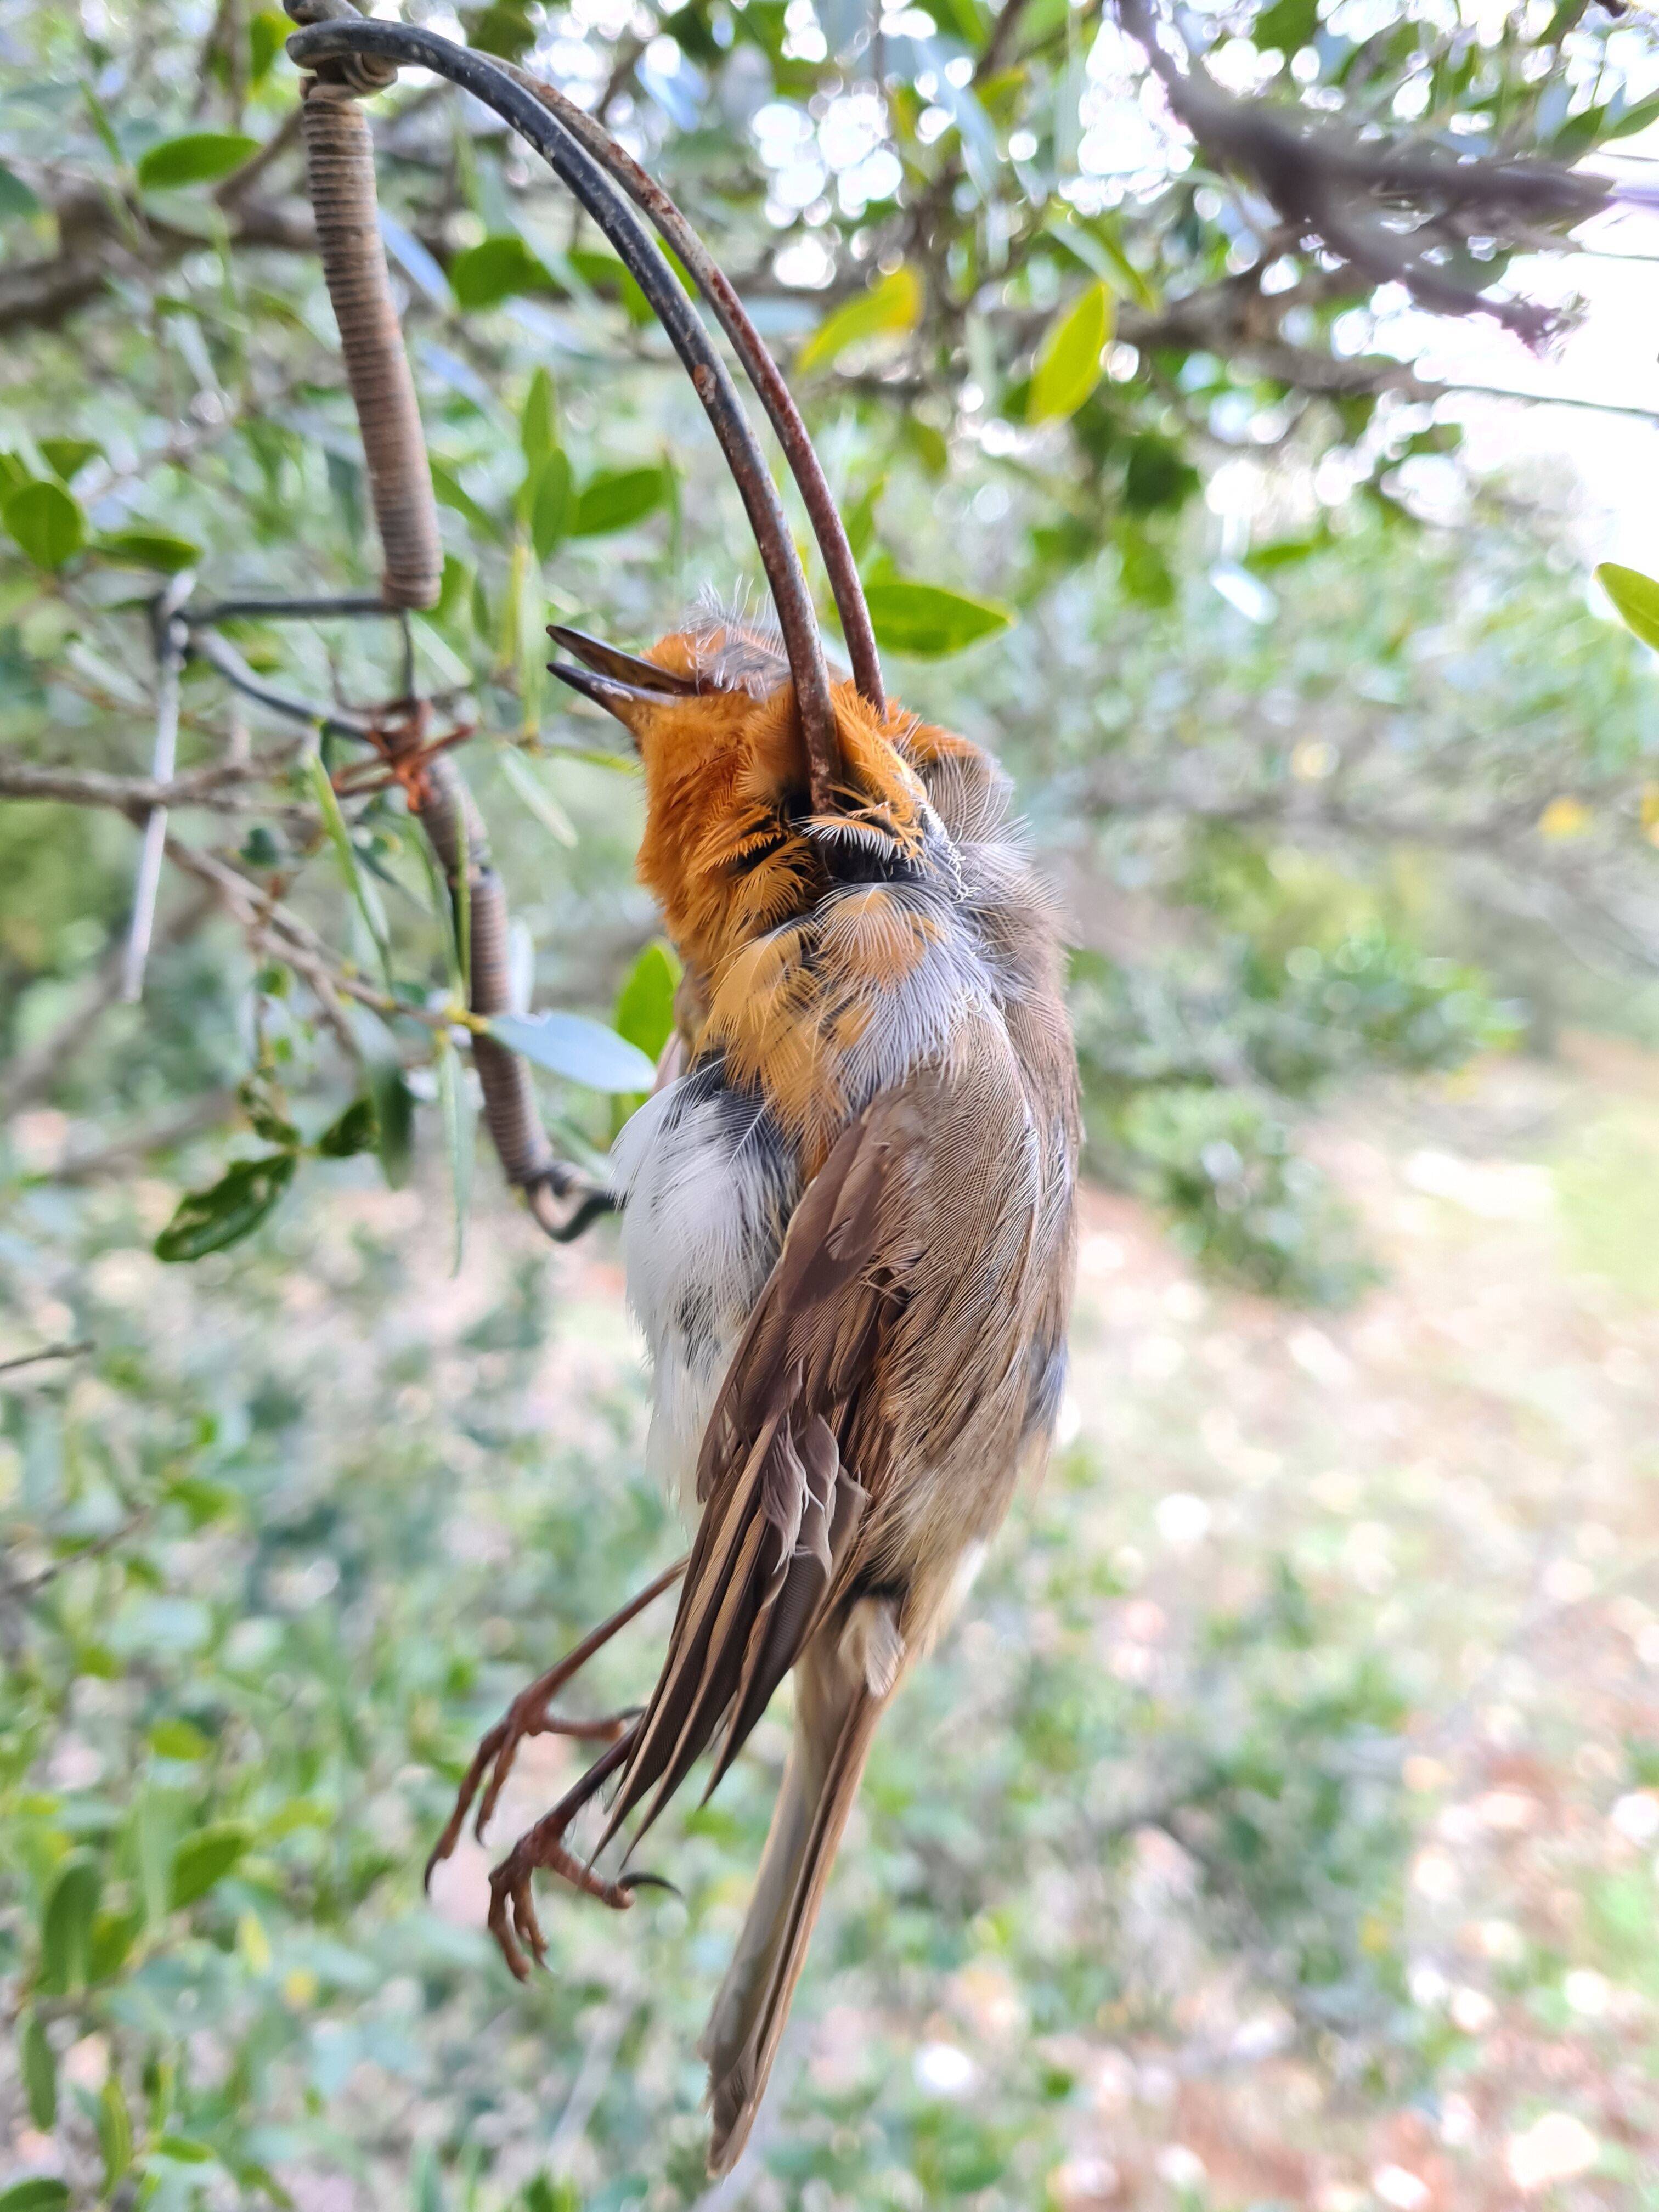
(630, 1882)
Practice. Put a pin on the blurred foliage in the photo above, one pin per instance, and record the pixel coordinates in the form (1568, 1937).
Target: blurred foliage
(255, 1550)
(1030, 329)
(1325, 747)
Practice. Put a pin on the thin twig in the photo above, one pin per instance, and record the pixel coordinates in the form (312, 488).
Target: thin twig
(50, 1352)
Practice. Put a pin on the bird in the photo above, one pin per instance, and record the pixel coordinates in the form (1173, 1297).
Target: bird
(848, 1226)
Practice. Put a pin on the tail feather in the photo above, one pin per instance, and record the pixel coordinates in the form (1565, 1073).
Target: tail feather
(835, 1719)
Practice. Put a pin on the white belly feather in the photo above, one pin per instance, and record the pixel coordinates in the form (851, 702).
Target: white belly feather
(707, 1188)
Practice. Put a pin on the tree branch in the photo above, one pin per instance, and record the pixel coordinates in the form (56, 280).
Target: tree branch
(1332, 188)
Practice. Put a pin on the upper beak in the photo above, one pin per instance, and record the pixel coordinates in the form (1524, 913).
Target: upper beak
(621, 667)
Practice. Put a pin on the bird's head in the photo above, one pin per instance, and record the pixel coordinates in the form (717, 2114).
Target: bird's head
(733, 845)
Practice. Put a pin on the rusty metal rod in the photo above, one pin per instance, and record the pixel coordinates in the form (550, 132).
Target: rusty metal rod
(340, 174)
(354, 40)
(761, 369)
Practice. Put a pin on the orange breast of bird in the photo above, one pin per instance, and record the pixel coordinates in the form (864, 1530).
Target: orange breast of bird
(824, 955)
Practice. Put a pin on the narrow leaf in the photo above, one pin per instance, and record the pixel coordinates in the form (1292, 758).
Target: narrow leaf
(572, 1046)
(149, 549)
(204, 1859)
(458, 1141)
(350, 1132)
(232, 1208)
(645, 1006)
(538, 422)
(1635, 598)
(928, 622)
(551, 510)
(39, 2068)
(532, 653)
(46, 523)
(494, 269)
(114, 2130)
(17, 202)
(363, 892)
(184, 2150)
(179, 1739)
(891, 306)
(453, 493)
(1068, 362)
(66, 1923)
(394, 1119)
(542, 804)
(198, 157)
(67, 457)
(615, 499)
(41, 2192)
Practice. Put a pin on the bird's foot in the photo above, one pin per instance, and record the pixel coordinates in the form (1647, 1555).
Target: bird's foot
(530, 1714)
(512, 1919)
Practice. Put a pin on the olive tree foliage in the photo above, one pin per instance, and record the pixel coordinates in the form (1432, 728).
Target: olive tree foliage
(1039, 276)
(1094, 314)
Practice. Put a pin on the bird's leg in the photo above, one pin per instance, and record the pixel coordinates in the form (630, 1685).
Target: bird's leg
(530, 1714)
(512, 1919)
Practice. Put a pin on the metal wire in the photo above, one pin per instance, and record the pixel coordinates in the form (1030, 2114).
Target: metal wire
(762, 370)
(344, 42)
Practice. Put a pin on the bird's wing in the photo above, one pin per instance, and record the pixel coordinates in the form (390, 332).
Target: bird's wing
(798, 1448)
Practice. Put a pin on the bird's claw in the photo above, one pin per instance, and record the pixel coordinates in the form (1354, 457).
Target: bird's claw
(529, 1715)
(512, 1919)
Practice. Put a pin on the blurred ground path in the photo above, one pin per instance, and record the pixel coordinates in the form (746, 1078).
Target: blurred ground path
(1463, 1474)
(1279, 1828)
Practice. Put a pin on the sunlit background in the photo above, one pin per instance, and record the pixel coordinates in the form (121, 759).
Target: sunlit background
(1279, 1826)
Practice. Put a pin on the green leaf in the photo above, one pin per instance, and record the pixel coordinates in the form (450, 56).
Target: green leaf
(197, 157)
(41, 2192)
(531, 630)
(67, 457)
(46, 523)
(363, 890)
(538, 422)
(150, 548)
(39, 2068)
(551, 508)
(178, 1738)
(449, 488)
(1637, 117)
(615, 499)
(572, 1046)
(542, 804)
(114, 2130)
(1635, 598)
(114, 1935)
(268, 32)
(1068, 362)
(645, 1005)
(1284, 26)
(205, 1858)
(496, 268)
(66, 1923)
(394, 1118)
(155, 1831)
(458, 1141)
(1096, 243)
(928, 622)
(350, 1132)
(211, 1220)
(891, 306)
(17, 202)
(183, 2150)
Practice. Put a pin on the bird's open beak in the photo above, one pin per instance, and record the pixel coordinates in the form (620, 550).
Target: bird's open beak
(624, 686)
(620, 667)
